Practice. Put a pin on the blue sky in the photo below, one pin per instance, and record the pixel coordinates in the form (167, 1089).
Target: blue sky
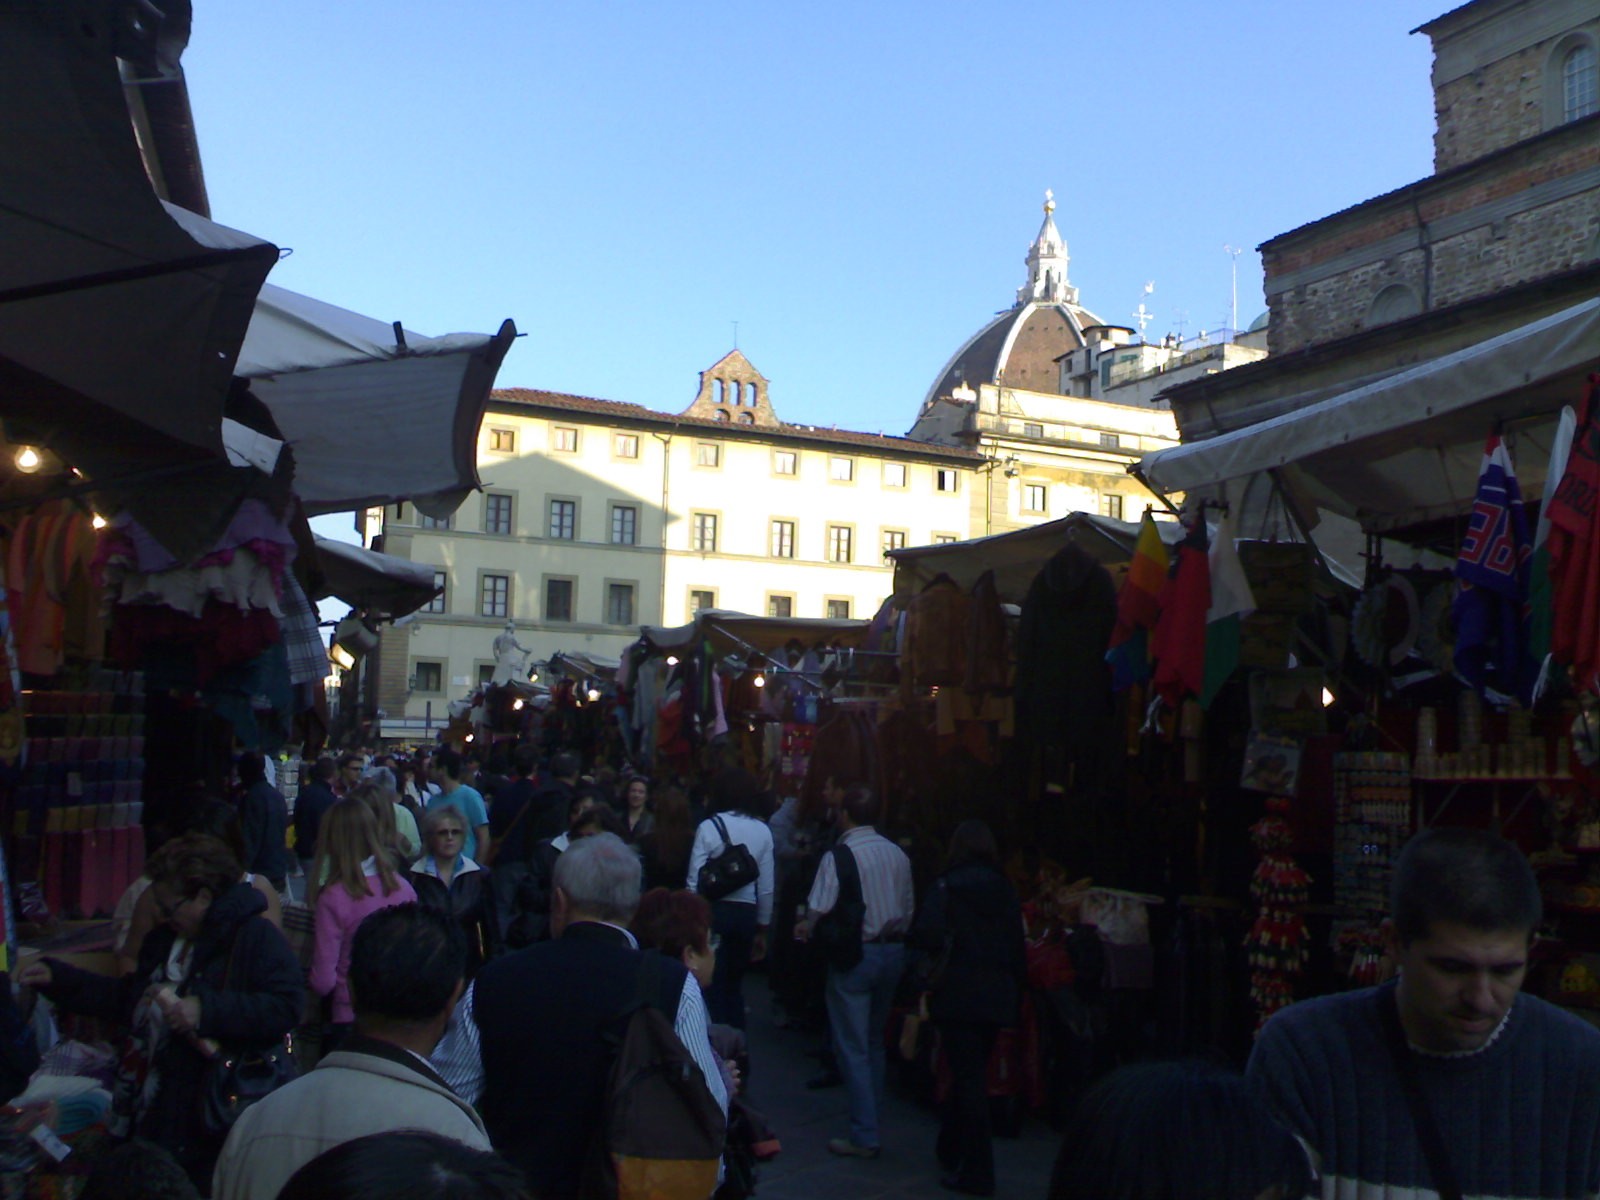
(855, 183)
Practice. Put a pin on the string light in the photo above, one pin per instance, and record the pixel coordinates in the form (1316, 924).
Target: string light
(28, 460)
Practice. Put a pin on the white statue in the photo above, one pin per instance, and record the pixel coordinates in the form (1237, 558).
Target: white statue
(510, 657)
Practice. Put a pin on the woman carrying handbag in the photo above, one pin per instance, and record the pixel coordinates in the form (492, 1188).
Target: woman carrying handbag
(216, 984)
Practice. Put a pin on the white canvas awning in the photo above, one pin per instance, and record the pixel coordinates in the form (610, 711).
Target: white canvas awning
(362, 578)
(730, 631)
(374, 414)
(1406, 448)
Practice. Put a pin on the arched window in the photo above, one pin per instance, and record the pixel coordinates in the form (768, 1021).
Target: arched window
(1580, 83)
(1394, 303)
(746, 418)
(722, 414)
(722, 392)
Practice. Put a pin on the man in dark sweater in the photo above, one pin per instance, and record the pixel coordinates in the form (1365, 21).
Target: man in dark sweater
(264, 822)
(316, 798)
(1508, 1081)
(530, 1044)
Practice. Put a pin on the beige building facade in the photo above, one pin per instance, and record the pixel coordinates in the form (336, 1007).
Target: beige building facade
(597, 517)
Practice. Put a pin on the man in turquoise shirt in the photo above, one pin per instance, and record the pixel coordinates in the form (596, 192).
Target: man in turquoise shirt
(446, 772)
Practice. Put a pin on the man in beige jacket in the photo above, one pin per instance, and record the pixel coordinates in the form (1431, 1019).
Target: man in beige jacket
(406, 967)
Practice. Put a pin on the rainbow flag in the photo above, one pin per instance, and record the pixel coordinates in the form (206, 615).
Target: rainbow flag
(1138, 607)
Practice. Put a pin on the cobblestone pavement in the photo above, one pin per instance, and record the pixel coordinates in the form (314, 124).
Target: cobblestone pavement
(805, 1120)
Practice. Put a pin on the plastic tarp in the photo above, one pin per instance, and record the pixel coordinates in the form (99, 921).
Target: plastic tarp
(374, 415)
(1016, 557)
(1406, 448)
(362, 578)
(731, 631)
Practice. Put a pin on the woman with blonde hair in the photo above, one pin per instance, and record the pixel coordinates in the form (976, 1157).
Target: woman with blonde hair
(354, 876)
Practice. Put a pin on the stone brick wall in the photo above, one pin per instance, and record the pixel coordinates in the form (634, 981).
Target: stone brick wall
(1489, 109)
(1518, 216)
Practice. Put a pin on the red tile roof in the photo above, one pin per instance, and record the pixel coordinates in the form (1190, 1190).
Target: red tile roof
(623, 411)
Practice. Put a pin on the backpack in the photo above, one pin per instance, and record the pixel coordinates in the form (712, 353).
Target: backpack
(837, 933)
(733, 868)
(661, 1132)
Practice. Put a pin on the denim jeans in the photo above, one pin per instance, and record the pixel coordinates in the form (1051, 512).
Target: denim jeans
(735, 924)
(858, 1010)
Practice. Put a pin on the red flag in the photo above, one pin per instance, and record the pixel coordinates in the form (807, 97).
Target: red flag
(1178, 643)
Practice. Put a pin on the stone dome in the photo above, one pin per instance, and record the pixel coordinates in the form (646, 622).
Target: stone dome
(1020, 346)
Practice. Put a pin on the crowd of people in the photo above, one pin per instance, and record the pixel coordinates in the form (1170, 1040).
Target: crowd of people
(491, 944)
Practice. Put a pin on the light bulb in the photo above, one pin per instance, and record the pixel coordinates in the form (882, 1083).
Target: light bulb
(1327, 698)
(98, 521)
(28, 460)
(516, 705)
(468, 738)
(594, 695)
(761, 681)
(672, 660)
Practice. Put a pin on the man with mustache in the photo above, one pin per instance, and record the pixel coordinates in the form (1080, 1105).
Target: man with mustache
(1447, 1080)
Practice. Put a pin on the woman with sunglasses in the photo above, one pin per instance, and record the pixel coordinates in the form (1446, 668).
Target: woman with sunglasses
(215, 973)
(352, 878)
(446, 879)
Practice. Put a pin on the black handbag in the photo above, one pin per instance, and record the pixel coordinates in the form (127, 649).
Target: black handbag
(837, 933)
(236, 1080)
(734, 868)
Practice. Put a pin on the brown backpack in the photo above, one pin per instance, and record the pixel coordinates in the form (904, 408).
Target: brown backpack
(661, 1134)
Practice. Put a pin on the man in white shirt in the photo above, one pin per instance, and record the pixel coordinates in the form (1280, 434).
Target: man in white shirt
(859, 998)
(739, 919)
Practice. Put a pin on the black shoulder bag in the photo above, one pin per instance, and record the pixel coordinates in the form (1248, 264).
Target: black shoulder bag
(733, 868)
(1405, 1065)
(237, 1078)
(837, 933)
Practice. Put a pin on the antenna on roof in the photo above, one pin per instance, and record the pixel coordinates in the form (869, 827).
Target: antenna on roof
(1233, 252)
(1142, 314)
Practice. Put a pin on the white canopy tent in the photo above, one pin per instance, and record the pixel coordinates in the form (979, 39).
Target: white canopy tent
(374, 413)
(1406, 449)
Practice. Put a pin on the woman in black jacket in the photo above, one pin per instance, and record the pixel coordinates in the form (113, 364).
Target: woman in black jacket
(446, 879)
(971, 923)
(215, 975)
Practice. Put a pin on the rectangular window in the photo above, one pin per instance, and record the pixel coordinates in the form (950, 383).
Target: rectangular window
(785, 462)
(700, 598)
(894, 475)
(427, 522)
(558, 599)
(841, 469)
(1032, 429)
(780, 606)
(494, 596)
(427, 677)
(704, 533)
(943, 539)
(840, 538)
(497, 514)
(625, 445)
(783, 539)
(1110, 441)
(1111, 505)
(894, 539)
(624, 525)
(485, 674)
(441, 580)
(1034, 497)
(564, 438)
(619, 604)
(564, 519)
(707, 454)
(946, 479)
(503, 441)
(838, 610)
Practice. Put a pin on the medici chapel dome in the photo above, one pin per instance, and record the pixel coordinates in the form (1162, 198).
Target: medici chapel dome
(1019, 348)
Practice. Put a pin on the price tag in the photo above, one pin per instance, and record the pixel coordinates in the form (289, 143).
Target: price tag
(49, 1142)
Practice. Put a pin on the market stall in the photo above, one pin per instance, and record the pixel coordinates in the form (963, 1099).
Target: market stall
(1470, 669)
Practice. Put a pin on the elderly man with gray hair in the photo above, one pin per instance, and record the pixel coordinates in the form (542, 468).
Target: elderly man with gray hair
(530, 1042)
